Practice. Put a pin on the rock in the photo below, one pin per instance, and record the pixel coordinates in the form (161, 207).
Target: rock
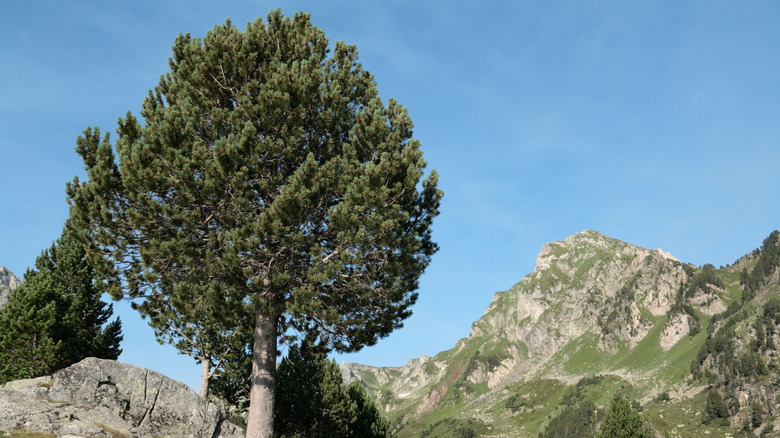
(105, 398)
(676, 328)
(8, 282)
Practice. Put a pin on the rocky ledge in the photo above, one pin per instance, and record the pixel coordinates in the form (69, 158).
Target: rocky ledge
(105, 398)
(8, 282)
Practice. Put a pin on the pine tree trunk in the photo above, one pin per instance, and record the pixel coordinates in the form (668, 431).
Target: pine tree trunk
(260, 421)
(205, 364)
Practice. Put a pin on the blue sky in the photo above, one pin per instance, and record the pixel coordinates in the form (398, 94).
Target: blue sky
(654, 122)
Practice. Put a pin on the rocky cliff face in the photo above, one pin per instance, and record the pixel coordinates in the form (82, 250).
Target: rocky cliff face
(587, 282)
(589, 298)
(8, 282)
(104, 398)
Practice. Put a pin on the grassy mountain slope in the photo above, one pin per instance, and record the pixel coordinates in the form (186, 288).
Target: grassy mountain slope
(596, 316)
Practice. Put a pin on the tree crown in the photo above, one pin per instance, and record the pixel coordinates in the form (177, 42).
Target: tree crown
(268, 175)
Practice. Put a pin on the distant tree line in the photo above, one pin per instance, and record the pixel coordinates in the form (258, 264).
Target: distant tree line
(728, 365)
(766, 265)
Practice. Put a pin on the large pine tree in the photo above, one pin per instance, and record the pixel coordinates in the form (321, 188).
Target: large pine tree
(270, 180)
(56, 318)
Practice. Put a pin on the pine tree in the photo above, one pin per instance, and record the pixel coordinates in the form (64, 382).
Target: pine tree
(28, 345)
(56, 318)
(272, 174)
(369, 422)
(312, 403)
(309, 400)
(622, 421)
(715, 409)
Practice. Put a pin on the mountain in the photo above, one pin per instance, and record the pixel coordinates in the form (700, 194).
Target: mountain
(597, 316)
(8, 282)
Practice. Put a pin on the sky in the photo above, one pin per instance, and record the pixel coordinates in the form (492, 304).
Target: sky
(654, 122)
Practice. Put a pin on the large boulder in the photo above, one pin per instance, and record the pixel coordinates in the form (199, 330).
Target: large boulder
(105, 398)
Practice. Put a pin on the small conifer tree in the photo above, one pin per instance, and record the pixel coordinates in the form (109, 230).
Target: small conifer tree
(715, 410)
(310, 400)
(622, 421)
(56, 318)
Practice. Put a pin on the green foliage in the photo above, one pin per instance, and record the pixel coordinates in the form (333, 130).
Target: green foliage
(312, 403)
(209, 330)
(28, 335)
(56, 318)
(749, 364)
(706, 277)
(732, 365)
(727, 364)
(622, 421)
(231, 372)
(490, 361)
(772, 310)
(516, 402)
(663, 397)
(369, 421)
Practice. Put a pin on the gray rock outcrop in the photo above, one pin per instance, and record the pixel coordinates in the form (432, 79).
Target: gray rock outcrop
(105, 398)
(8, 282)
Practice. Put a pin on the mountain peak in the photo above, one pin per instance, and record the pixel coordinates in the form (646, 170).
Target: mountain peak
(576, 243)
(586, 244)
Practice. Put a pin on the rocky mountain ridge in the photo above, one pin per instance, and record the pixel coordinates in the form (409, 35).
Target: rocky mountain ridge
(592, 306)
(560, 300)
(8, 282)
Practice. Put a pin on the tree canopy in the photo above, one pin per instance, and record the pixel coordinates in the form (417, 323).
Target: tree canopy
(269, 184)
(56, 318)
